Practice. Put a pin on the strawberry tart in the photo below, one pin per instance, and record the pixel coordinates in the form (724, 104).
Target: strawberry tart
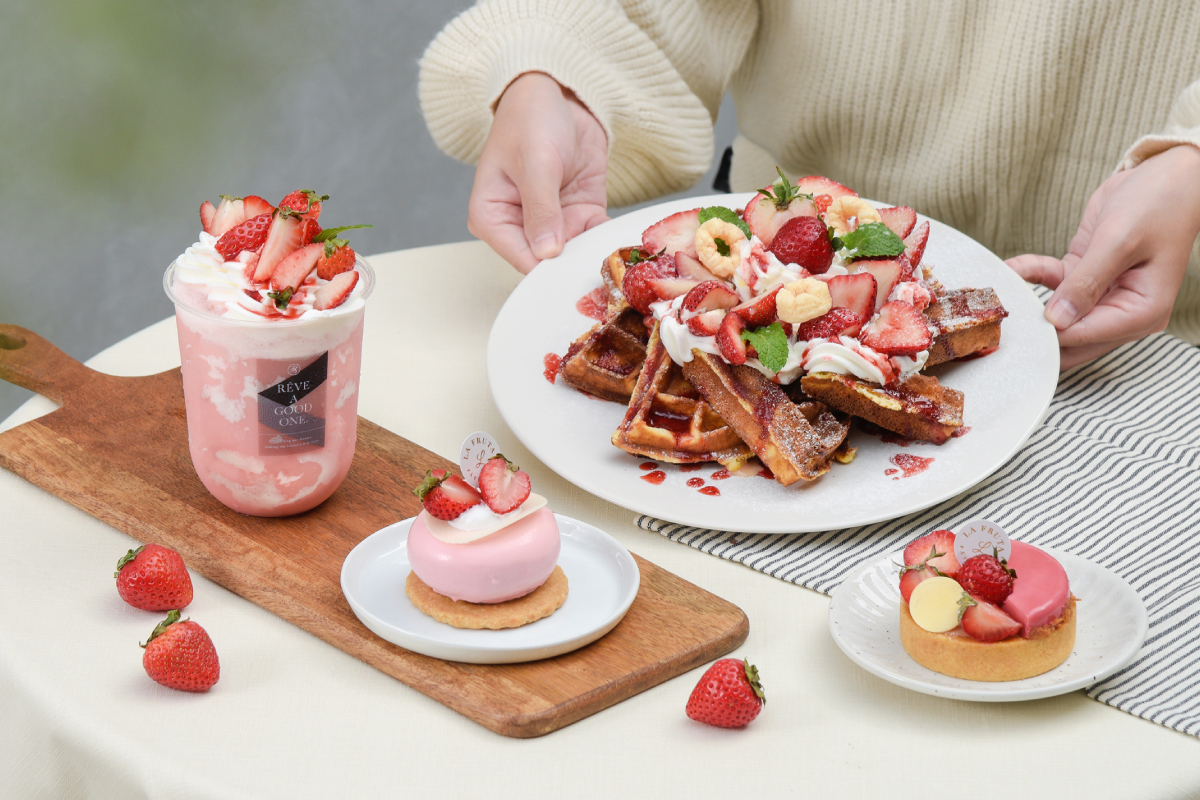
(987, 618)
(485, 556)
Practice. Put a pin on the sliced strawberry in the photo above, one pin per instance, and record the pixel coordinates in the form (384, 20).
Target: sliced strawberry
(729, 339)
(707, 323)
(309, 228)
(898, 330)
(887, 271)
(636, 283)
(250, 235)
(817, 185)
(504, 487)
(901, 219)
(823, 202)
(856, 293)
(934, 550)
(670, 288)
(914, 244)
(759, 311)
(834, 322)
(282, 240)
(985, 622)
(675, 233)
(334, 293)
(293, 270)
(765, 218)
(445, 495)
(910, 577)
(691, 268)
(710, 295)
(255, 205)
(207, 212)
(230, 213)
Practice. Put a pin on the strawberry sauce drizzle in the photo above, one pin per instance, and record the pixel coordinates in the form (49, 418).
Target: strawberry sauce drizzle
(711, 491)
(551, 362)
(646, 467)
(690, 467)
(909, 464)
(963, 431)
(656, 477)
(695, 483)
(594, 304)
(720, 474)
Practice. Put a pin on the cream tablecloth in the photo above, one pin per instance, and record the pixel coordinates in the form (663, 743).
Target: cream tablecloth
(293, 717)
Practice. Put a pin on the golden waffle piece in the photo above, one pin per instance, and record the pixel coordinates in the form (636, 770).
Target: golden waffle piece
(668, 420)
(967, 321)
(613, 272)
(795, 441)
(606, 361)
(919, 408)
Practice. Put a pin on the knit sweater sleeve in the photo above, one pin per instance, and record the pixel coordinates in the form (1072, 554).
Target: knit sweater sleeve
(1182, 127)
(652, 73)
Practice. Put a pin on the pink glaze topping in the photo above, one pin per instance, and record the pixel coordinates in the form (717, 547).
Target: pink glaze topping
(1041, 590)
(507, 564)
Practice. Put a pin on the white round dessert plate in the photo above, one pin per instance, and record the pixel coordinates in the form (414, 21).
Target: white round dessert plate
(1007, 394)
(602, 581)
(1111, 626)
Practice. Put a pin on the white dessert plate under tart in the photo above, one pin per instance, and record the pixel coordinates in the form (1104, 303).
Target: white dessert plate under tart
(602, 578)
(1007, 394)
(1111, 626)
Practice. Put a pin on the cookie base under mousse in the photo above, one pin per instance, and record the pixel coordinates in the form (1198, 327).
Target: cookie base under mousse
(538, 604)
(1015, 658)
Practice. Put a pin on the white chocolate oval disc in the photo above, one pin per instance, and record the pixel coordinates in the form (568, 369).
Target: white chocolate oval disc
(475, 451)
(934, 604)
(980, 537)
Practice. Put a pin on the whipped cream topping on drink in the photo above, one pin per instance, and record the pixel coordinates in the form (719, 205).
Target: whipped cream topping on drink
(210, 283)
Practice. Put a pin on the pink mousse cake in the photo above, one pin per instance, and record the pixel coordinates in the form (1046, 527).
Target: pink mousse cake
(504, 565)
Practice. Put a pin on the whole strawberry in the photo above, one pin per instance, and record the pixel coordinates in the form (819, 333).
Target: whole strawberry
(446, 495)
(503, 485)
(728, 695)
(804, 241)
(153, 578)
(987, 577)
(179, 655)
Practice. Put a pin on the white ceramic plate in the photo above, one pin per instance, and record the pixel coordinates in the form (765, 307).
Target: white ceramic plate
(603, 580)
(1111, 626)
(1007, 394)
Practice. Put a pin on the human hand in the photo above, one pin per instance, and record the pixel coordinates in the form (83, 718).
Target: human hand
(1123, 269)
(541, 176)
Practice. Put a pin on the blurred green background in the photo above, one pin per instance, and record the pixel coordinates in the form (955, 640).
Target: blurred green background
(119, 117)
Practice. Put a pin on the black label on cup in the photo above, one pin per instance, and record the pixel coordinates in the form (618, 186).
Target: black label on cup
(291, 410)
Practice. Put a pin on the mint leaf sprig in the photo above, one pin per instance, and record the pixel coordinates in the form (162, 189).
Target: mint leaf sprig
(872, 240)
(770, 343)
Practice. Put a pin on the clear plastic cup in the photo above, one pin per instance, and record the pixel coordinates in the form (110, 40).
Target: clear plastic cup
(272, 404)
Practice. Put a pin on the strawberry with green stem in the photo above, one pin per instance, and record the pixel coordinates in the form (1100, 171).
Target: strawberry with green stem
(180, 655)
(336, 256)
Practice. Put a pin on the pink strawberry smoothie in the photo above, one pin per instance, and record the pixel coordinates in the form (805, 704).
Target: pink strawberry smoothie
(504, 565)
(271, 402)
(1041, 589)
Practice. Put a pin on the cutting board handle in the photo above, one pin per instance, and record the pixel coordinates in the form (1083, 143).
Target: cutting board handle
(30, 361)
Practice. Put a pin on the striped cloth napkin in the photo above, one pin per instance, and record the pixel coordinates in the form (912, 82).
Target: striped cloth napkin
(1111, 476)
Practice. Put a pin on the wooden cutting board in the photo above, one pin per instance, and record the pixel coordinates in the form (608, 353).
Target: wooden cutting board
(117, 449)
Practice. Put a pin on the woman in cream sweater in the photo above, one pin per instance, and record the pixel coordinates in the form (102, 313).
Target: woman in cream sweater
(1065, 136)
